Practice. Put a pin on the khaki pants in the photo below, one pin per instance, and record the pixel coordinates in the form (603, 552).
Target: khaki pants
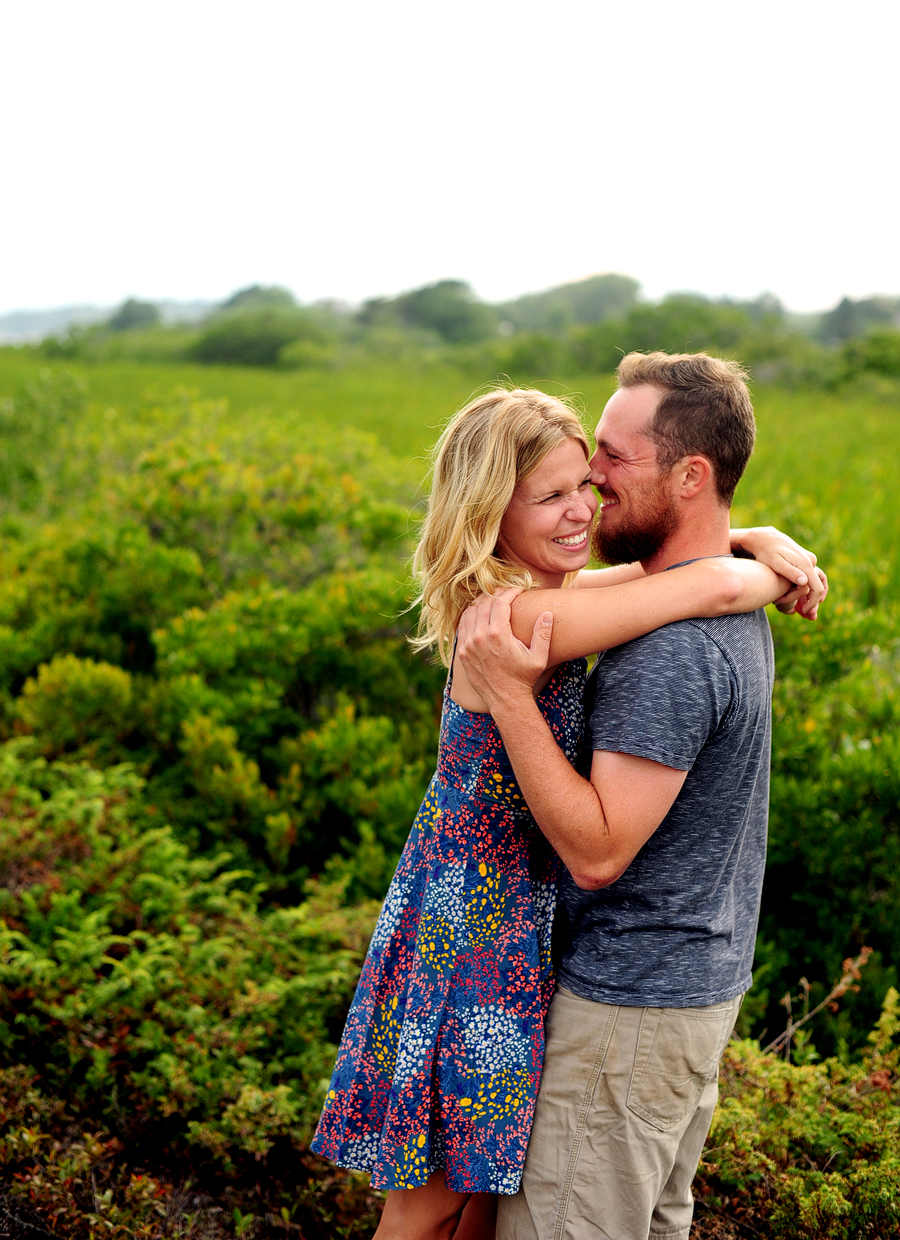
(626, 1100)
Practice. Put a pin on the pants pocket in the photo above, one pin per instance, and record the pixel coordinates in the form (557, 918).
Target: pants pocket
(677, 1055)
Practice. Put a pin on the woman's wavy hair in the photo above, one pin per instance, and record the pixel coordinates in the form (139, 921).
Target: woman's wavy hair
(484, 452)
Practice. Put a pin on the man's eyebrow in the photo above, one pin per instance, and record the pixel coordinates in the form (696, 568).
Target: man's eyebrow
(603, 442)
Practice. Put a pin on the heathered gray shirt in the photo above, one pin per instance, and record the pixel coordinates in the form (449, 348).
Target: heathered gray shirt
(678, 928)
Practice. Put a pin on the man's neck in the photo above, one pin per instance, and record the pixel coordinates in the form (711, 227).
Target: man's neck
(693, 541)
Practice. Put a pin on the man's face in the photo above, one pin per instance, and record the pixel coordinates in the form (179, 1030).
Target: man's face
(638, 512)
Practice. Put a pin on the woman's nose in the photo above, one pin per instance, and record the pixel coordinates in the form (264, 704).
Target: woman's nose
(582, 509)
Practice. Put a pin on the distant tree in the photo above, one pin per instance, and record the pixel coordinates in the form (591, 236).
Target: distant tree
(133, 314)
(765, 308)
(583, 301)
(378, 312)
(255, 337)
(681, 323)
(449, 308)
(854, 318)
(258, 297)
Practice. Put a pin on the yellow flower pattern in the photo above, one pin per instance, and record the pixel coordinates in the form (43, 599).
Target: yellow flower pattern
(437, 942)
(498, 1096)
(386, 1033)
(486, 907)
(412, 1169)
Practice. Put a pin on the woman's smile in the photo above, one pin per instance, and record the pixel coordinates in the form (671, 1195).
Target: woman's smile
(547, 526)
(573, 540)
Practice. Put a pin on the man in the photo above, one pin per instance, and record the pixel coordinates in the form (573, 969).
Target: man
(664, 843)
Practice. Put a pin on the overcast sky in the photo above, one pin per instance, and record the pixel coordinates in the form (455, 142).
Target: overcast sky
(185, 148)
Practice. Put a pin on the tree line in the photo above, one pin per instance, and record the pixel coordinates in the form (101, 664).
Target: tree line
(580, 327)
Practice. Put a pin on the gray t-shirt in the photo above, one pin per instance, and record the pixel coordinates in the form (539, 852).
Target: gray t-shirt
(678, 928)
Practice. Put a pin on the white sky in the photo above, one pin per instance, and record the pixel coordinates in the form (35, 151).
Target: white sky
(184, 148)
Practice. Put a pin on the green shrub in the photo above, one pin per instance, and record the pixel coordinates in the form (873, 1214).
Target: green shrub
(78, 707)
(255, 337)
(878, 353)
(284, 525)
(138, 980)
(812, 1149)
(97, 592)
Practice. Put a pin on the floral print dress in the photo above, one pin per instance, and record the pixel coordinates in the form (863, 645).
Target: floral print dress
(441, 1056)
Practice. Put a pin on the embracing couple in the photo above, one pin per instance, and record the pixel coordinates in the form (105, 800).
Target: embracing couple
(561, 955)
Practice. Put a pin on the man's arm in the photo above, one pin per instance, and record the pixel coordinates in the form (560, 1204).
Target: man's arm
(597, 826)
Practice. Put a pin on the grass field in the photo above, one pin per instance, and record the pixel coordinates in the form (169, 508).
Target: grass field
(825, 468)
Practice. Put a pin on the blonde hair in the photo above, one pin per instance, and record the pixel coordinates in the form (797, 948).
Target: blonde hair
(484, 452)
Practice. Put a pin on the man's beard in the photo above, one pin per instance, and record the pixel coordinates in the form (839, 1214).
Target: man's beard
(641, 538)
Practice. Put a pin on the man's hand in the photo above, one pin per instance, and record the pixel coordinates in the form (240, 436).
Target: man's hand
(498, 665)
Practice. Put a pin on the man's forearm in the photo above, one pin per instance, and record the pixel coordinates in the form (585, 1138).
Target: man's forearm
(566, 807)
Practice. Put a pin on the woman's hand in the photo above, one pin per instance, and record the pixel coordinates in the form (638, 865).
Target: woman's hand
(498, 665)
(787, 558)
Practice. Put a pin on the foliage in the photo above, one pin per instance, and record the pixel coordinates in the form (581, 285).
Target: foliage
(850, 319)
(878, 352)
(834, 855)
(214, 624)
(681, 323)
(811, 1149)
(34, 425)
(147, 989)
(255, 336)
(583, 301)
(77, 706)
(581, 327)
(133, 314)
(228, 621)
(144, 993)
(448, 308)
(259, 296)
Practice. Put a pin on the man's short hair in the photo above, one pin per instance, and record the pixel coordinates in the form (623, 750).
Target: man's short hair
(704, 410)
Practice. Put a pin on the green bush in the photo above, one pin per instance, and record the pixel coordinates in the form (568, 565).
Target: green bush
(811, 1149)
(255, 337)
(136, 977)
(78, 707)
(834, 839)
(877, 353)
(284, 525)
(97, 592)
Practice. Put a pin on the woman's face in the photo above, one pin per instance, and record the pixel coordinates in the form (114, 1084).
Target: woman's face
(547, 526)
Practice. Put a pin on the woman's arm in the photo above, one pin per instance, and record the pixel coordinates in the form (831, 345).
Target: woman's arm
(764, 543)
(784, 555)
(585, 621)
(592, 578)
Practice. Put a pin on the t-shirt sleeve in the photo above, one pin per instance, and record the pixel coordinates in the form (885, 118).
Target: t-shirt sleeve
(662, 697)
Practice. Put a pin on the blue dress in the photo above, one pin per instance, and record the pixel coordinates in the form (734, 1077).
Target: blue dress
(440, 1061)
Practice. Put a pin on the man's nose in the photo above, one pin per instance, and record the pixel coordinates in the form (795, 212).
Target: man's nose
(598, 476)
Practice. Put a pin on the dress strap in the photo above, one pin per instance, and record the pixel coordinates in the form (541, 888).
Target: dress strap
(452, 657)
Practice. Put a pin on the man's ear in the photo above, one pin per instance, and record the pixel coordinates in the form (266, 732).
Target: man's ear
(693, 474)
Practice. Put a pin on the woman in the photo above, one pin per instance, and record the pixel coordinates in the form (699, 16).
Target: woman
(438, 1070)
